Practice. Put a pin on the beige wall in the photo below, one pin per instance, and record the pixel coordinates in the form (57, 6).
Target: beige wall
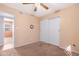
(69, 26)
(23, 34)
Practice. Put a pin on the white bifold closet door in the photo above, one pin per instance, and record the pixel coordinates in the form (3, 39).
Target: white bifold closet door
(50, 30)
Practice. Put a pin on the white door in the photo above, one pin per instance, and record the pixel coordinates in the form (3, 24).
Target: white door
(54, 30)
(50, 30)
(44, 30)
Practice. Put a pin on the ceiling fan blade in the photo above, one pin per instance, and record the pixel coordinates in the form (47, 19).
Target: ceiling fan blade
(43, 5)
(27, 3)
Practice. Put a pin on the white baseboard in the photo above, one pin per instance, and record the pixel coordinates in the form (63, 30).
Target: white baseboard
(51, 43)
(27, 43)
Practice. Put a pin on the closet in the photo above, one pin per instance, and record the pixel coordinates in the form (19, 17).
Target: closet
(50, 30)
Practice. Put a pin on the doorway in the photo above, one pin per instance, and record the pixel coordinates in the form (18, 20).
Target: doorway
(8, 39)
(50, 30)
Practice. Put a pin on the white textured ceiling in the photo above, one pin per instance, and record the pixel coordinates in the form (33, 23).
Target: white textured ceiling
(29, 9)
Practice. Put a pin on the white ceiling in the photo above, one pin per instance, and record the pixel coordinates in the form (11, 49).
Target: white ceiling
(29, 8)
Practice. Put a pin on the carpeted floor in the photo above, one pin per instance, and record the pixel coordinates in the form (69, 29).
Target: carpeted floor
(35, 49)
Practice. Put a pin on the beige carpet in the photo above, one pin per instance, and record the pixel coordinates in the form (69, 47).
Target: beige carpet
(35, 49)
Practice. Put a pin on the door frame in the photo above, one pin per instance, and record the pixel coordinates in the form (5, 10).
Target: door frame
(13, 29)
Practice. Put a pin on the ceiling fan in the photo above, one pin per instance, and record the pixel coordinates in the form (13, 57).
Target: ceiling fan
(35, 7)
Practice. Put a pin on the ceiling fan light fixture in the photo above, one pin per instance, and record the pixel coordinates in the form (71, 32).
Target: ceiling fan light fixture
(35, 9)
